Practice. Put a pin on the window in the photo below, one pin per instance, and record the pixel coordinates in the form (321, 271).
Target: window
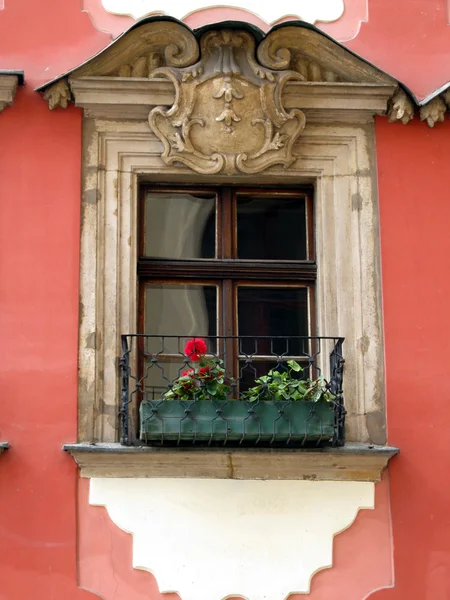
(335, 153)
(226, 262)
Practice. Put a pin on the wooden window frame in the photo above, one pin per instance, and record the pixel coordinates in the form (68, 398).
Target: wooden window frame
(230, 271)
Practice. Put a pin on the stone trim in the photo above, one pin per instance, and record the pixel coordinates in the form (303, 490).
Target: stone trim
(8, 87)
(338, 158)
(132, 99)
(353, 462)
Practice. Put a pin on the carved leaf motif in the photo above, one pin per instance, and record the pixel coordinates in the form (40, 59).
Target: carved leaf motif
(401, 108)
(176, 142)
(278, 141)
(228, 116)
(228, 90)
(58, 95)
(433, 112)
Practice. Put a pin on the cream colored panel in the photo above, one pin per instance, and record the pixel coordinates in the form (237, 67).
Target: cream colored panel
(211, 539)
(319, 10)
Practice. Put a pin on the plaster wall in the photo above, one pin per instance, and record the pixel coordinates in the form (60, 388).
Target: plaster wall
(212, 539)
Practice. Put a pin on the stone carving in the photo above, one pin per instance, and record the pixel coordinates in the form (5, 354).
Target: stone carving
(228, 115)
(433, 112)
(58, 95)
(316, 57)
(446, 97)
(311, 70)
(142, 66)
(8, 87)
(400, 108)
(140, 50)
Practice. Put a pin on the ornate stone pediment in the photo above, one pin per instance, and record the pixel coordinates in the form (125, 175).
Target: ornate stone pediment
(131, 76)
(225, 103)
(228, 114)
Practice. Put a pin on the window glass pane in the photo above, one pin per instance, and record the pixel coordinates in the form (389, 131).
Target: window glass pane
(273, 311)
(180, 310)
(271, 227)
(180, 225)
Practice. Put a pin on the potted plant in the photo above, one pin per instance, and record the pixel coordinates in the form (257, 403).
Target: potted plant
(203, 405)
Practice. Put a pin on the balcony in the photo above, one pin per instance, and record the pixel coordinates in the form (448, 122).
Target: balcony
(236, 421)
(232, 391)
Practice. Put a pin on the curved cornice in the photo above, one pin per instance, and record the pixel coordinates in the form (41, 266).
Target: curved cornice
(155, 42)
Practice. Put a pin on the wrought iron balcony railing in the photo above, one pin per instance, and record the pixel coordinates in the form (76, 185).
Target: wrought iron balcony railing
(266, 391)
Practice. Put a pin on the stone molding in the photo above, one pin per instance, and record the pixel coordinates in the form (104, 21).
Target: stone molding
(133, 99)
(8, 87)
(353, 462)
(339, 158)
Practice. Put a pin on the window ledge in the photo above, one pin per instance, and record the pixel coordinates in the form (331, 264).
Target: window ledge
(3, 446)
(352, 462)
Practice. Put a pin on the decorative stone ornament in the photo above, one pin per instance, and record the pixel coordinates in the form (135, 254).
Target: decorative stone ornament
(8, 87)
(228, 115)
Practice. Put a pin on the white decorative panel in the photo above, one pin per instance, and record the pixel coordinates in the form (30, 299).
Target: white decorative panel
(211, 539)
(307, 10)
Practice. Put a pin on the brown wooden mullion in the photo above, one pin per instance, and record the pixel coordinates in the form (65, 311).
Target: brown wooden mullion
(227, 219)
(226, 269)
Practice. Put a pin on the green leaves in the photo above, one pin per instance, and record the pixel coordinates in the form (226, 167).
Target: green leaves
(294, 365)
(208, 381)
(281, 385)
(204, 382)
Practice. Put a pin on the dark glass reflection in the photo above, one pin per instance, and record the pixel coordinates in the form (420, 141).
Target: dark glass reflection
(273, 311)
(271, 228)
(180, 225)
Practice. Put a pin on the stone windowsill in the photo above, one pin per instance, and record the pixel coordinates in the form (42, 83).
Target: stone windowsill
(352, 462)
(3, 446)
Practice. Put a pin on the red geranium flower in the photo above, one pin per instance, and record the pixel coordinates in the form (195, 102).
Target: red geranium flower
(204, 372)
(195, 348)
(188, 372)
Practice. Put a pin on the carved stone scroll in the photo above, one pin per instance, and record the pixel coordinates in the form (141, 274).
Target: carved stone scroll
(174, 44)
(297, 48)
(135, 54)
(227, 116)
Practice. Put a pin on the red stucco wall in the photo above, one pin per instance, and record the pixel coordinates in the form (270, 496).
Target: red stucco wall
(414, 182)
(39, 263)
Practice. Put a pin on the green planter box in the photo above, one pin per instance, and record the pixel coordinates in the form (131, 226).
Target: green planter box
(297, 422)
